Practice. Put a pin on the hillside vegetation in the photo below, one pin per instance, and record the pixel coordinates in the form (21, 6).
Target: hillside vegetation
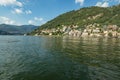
(85, 16)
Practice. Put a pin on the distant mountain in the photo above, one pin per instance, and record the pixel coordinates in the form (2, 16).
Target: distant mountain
(83, 17)
(4, 33)
(16, 30)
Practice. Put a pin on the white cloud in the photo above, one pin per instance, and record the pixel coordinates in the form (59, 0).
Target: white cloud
(28, 12)
(5, 20)
(106, 3)
(102, 4)
(112, 0)
(118, 1)
(79, 1)
(17, 11)
(21, 11)
(10, 2)
(36, 21)
(30, 22)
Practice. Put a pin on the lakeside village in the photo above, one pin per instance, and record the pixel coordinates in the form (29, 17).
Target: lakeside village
(92, 30)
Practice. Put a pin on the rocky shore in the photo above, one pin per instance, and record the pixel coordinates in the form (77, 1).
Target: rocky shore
(92, 30)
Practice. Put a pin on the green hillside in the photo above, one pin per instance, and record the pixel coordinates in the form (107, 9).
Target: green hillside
(85, 16)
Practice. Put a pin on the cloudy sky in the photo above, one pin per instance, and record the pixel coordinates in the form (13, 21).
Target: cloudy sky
(37, 12)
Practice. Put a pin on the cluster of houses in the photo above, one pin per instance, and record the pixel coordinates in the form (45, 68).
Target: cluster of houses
(92, 30)
(105, 31)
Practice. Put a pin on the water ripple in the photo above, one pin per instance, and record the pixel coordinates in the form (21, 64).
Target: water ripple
(59, 58)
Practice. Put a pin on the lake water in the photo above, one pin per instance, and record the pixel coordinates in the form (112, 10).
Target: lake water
(59, 58)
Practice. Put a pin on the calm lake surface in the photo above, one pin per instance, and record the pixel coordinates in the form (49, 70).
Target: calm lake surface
(59, 58)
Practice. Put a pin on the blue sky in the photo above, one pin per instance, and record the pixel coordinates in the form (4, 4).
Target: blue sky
(37, 12)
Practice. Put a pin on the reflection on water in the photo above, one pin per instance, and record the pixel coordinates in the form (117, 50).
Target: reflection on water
(59, 58)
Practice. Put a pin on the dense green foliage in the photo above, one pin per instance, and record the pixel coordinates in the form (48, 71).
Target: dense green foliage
(85, 16)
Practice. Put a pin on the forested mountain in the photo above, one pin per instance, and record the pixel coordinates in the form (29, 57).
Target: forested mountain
(85, 16)
(16, 30)
(4, 33)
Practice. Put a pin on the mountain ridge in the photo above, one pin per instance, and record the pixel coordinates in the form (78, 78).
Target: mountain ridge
(84, 16)
(17, 30)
